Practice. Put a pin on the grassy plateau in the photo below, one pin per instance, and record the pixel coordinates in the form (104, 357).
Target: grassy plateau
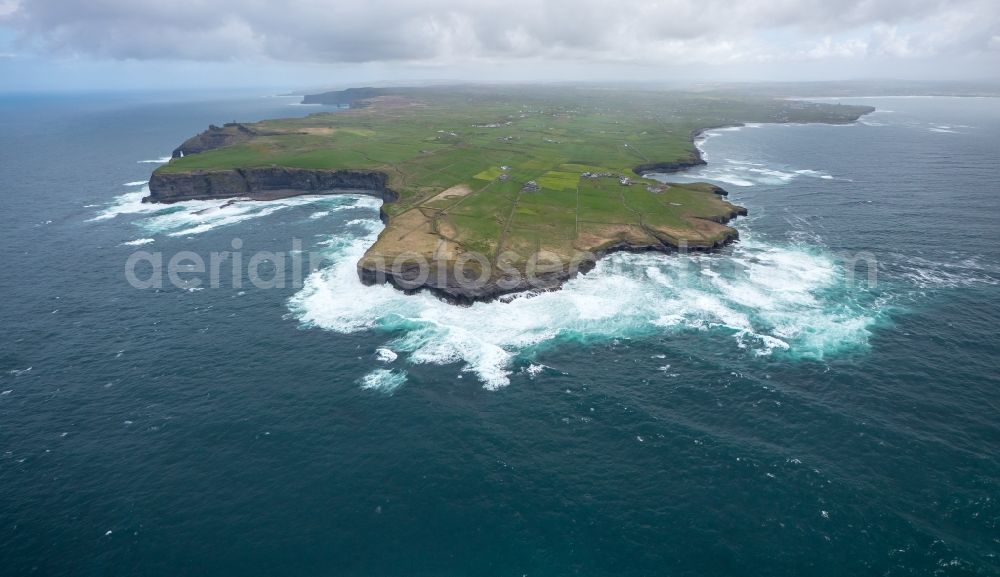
(505, 173)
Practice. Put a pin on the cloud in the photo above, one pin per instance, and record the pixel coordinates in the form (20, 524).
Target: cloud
(439, 32)
(7, 8)
(828, 48)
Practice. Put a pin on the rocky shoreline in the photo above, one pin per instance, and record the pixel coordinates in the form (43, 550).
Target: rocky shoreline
(264, 183)
(695, 159)
(461, 292)
(444, 264)
(271, 183)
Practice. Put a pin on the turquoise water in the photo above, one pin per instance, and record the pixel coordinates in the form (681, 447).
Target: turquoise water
(753, 411)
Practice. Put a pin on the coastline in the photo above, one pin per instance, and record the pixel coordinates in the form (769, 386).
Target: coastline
(557, 279)
(273, 183)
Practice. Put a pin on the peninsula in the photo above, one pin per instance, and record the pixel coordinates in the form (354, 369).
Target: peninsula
(491, 190)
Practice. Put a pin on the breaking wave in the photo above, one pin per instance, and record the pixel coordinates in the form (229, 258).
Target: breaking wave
(765, 299)
(139, 242)
(742, 173)
(959, 272)
(385, 381)
(385, 355)
(195, 217)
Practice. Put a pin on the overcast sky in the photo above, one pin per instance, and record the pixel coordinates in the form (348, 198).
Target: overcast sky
(69, 44)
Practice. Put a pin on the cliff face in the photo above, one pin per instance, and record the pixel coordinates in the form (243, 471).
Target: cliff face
(694, 159)
(459, 286)
(444, 279)
(215, 137)
(469, 283)
(676, 166)
(263, 183)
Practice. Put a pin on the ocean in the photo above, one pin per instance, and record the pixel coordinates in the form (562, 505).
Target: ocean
(820, 398)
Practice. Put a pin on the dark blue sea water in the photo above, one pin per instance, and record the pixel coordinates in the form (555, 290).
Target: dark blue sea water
(753, 412)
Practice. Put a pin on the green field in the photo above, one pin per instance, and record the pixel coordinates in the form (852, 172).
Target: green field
(490, 170)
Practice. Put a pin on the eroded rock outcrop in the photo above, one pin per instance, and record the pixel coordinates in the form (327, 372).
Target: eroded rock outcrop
(428, 260)
(215, 137)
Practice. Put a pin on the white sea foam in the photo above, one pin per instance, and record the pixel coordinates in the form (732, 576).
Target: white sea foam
(729, 178)
(139, 241)
(385, 355)
(319, 214)
(161, 160)
(385, 381)
(768, 299)
(136, 183)
(814, 174)
(128, 203)
(189, 223)
(929, 274)
(534, 370)
(194, 217)
(744, 173)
